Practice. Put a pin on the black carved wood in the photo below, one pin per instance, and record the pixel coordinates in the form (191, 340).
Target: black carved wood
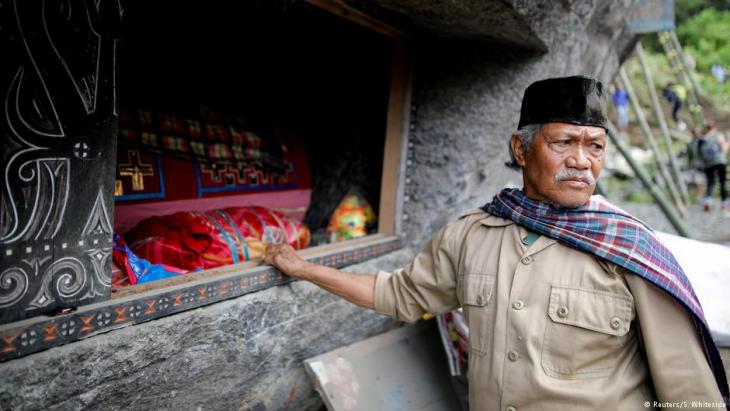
(57, 147)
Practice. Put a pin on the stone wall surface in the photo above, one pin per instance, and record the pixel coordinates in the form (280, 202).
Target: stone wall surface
(247, 353)
(244, 353)
(464, 19)
(467, 99)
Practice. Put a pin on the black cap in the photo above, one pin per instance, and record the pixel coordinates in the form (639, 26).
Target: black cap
(576, 100)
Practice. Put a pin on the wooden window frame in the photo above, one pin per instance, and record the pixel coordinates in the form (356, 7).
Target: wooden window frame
(150, 301)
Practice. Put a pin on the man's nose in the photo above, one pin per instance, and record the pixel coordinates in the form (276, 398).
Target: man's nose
(578, 158)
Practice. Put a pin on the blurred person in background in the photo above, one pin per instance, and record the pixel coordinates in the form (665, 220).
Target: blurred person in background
(620, 99)
(719, 72)
(713, 148)
(676, 95)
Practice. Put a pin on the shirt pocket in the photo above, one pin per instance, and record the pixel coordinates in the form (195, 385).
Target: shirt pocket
(586, 332)
(475, 293)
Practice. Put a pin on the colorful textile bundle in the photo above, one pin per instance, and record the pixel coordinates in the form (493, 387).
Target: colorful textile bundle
(194, 241)
(353, 218)
(130, 269)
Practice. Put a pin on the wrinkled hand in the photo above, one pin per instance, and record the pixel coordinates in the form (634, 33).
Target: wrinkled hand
(283, 257)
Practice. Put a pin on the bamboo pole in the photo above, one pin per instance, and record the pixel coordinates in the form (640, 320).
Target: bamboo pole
(664, 205)
(693, 105)
(644, 126)
(685, 64)
(662, 123)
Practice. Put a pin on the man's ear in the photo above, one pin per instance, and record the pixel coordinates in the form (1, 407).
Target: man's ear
(518, 149)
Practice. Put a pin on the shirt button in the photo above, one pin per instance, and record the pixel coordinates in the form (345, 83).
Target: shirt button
(616, 323)
(526, 260)
(480, 300)
(518, 305)
(513, 356)
(510, 408)
(563, 311)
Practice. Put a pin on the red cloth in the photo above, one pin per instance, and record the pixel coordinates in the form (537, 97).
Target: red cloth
(194, 241)
(292, 203)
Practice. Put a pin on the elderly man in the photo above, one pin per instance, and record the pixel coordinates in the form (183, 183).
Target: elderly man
(571, 303)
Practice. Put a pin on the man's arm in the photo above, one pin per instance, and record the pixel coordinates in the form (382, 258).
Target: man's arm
(426, 285)
(674, 353)
(357, 289)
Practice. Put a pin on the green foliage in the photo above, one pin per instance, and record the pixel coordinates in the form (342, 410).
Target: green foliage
(685, 9)
(703, 29)
(706, 37)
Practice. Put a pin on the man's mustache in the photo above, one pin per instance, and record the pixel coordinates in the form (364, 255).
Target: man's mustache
(572, 173)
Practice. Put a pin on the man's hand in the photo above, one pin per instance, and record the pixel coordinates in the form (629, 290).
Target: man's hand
(358, 289)
(283, 257)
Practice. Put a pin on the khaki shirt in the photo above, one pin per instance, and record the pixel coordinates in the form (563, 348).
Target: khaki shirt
(550, 327)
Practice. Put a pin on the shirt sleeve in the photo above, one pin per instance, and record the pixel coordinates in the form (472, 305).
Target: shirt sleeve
(672, 348)
(426, 285)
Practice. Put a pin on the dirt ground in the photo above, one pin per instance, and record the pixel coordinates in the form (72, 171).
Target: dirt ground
(713, 226)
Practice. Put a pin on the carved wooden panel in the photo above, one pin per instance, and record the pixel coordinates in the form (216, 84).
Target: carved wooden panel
(57, 148)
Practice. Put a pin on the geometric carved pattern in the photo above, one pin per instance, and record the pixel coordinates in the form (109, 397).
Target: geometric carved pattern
(14, 285)
(56, 157)
(44, 333)
(64, 277)
(98, 220)
(99, 258)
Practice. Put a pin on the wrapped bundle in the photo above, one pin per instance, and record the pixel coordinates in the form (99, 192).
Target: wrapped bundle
(194, 241)
(128, 268)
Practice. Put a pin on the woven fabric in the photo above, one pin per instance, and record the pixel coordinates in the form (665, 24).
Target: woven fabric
(193, 241)
(206, 136)
(200, 153)
(606, 231)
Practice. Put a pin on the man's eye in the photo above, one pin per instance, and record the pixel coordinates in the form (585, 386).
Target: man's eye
(560, 145)
(596, 149)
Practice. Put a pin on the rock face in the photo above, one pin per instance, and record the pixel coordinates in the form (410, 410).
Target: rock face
(247, 353)
(467, 97)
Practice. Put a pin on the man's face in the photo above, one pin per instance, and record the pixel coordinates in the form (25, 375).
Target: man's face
(563, 163)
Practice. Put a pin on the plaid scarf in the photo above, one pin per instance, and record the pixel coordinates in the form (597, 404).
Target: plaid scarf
(608, 232)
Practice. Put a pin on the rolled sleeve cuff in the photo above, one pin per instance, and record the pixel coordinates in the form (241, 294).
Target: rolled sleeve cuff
(384, 298)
